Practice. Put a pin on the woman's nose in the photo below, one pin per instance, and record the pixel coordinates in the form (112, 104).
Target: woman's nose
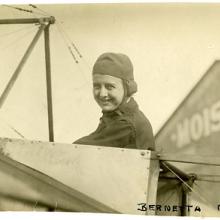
(103, 92)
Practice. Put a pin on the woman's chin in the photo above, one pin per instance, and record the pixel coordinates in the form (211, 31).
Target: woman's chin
(107, 108)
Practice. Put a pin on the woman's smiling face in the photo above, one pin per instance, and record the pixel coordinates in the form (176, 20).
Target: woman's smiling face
(108, 91)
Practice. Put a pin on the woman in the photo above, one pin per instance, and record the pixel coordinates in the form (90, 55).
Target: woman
(122, 123)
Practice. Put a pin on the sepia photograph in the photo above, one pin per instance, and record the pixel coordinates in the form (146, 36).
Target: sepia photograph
(110, 108)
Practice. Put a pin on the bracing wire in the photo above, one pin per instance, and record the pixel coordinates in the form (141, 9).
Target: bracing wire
(185, 183)
(188, 186)
(18, 39)
(16, 31)
(71, 52)
(73, 55)
(190, 162)
(71, 43)
(61, 30)
(67, 43)
(208, 175)
(22, 9)
(70, 46)
(76, 49)
(39, 9)
(30, 30)
(18, 8)
(208, 178)
(16, 131)
(13, 129)
(42, 12)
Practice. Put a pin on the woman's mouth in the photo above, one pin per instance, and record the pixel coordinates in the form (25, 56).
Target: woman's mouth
(105, 101)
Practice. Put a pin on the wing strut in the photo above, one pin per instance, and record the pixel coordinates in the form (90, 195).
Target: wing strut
(44, 26)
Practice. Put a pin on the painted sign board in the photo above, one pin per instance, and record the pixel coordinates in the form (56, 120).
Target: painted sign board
(194, 129)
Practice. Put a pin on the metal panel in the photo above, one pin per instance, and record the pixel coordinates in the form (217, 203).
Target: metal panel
(22, 189)
(119, 178)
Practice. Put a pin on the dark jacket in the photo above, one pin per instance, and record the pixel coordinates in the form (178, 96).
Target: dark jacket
(126, 127)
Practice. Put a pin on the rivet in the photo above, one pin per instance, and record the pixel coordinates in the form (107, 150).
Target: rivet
(142, 153)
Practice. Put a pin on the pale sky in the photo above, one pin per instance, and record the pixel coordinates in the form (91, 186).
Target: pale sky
(171, 46)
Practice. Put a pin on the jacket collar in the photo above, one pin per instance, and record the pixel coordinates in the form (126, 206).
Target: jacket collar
(128, 107)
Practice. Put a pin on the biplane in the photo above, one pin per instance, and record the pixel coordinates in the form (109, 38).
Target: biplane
(181, 178)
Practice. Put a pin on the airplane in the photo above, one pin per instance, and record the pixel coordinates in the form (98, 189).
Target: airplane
(180, 178)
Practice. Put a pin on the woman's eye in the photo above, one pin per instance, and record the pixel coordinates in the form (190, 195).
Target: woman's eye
(109, 87)
(96, 86)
